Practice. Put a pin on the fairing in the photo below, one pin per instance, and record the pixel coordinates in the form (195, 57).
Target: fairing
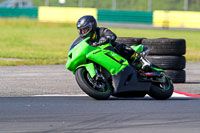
(82, 52)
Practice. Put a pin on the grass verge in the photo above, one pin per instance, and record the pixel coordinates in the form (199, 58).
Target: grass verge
(46, 43)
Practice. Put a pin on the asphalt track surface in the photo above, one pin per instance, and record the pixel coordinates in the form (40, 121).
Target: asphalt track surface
(47, 80)
(82, 114)
(23, 112)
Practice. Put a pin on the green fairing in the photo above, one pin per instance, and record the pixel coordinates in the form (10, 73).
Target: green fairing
(77, 56)
(109, 60)
(82, 52)
(90, 68)
(157, 69)
(138, 48)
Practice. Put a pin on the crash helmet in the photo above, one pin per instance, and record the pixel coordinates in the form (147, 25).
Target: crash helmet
(86, 26)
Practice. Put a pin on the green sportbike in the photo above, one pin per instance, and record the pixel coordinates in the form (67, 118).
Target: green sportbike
(101, 73)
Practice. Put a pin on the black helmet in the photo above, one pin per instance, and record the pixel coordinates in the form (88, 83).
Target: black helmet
(86, 26)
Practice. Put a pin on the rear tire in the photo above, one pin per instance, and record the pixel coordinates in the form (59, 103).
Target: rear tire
(157, 91)
(83, 81)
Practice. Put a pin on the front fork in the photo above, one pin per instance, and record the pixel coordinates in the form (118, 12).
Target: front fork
(94, 72)
(98, 81)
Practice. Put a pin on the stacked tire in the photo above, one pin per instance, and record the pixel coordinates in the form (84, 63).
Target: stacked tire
(168, 54)
(165, 53)
(130, 40)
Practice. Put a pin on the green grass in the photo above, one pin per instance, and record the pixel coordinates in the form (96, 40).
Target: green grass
(34, 42)
(45, 43)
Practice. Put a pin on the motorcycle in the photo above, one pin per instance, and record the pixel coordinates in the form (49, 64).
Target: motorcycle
(101, 72)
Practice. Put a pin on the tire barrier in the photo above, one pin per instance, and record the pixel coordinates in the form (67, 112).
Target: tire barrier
(168, 62)
(168, 54)
(165, 46)
(177, 76)
(165, 53)
(130, 40)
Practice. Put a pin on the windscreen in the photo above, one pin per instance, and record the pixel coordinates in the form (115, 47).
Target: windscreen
(76, 41)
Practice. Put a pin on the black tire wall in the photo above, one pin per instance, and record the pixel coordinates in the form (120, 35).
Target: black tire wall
(130, 40)
(168, 54)
(165, 46)
(177, 76)
(168, 62)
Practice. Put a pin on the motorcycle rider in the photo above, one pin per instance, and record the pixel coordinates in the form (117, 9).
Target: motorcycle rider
(87, 27)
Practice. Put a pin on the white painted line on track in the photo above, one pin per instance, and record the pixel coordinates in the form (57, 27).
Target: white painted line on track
(175, 94)
(178, 95)
(60, 95)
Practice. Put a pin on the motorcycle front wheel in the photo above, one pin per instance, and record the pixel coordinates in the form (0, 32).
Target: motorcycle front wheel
(95, 89)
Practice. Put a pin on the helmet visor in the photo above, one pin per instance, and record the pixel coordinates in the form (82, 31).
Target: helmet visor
(84, 31)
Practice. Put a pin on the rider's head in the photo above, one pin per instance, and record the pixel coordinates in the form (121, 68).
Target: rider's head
(86, 26)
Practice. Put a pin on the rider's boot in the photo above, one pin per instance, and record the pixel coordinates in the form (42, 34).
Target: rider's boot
(145, 64)
(137, 58)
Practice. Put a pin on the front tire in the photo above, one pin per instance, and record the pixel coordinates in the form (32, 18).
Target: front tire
(162, 91)
(82, 78)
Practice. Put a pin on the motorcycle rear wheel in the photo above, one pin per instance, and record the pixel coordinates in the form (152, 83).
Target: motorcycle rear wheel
(82, 78)
(162, 91)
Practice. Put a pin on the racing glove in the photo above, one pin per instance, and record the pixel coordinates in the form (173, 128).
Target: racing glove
(102, 40)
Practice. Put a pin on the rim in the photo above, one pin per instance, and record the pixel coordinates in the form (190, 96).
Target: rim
(166, 85)
(98, 86)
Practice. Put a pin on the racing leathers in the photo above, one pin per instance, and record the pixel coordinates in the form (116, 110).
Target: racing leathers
(103, 36)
